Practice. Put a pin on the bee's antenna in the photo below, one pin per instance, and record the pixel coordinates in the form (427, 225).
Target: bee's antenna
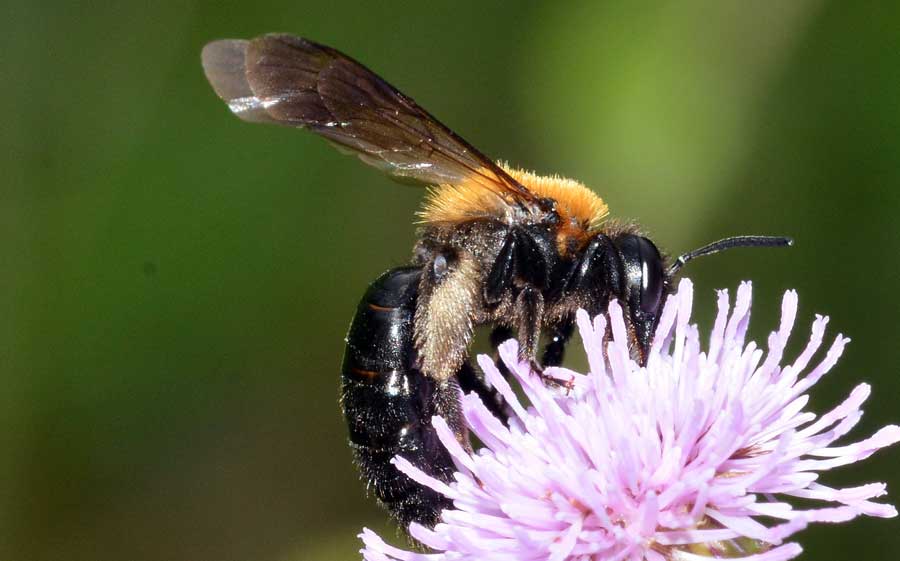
(728, 243)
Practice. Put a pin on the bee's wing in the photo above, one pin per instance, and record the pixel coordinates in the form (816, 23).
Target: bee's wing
(291, 81)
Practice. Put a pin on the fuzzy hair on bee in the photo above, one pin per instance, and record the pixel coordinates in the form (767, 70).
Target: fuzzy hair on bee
(581, 211)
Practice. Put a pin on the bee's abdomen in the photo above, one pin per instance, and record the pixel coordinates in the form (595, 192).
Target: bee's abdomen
(388, 403)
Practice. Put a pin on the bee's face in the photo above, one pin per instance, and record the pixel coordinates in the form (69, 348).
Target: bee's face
(645, 281)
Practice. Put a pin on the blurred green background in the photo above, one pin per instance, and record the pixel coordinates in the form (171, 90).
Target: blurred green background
(176, 284)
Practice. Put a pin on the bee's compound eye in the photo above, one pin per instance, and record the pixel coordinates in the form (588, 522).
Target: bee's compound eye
(645, 277)
(652, 277)
(440, 266)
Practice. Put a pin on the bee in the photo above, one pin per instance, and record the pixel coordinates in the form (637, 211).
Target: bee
(497, 246)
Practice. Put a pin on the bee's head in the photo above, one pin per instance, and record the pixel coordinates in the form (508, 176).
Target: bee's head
(646, 280)
(645, 283)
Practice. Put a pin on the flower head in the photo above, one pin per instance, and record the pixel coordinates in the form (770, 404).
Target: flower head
(677, 460)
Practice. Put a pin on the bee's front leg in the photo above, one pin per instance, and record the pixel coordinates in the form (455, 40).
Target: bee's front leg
(529, 312)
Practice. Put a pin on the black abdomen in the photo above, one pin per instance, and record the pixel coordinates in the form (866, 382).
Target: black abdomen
(388, 403)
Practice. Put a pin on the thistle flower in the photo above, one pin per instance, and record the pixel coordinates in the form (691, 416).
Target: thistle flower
(677, 460)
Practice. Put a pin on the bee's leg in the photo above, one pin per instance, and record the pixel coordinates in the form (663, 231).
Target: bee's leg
(445, 314)
(528, 311)
(521, 261)
(470, 381)
(498, 335)
(500, 277)
(596, 275)
(556, 347)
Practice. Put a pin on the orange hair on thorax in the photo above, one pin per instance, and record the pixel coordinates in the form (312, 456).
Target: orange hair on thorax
(580, 210)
